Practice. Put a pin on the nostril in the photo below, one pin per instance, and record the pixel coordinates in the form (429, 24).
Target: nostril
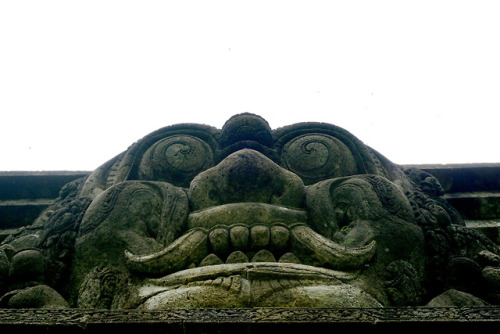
(247, 173)
(276, 194)
(278, 191)
(213, 195)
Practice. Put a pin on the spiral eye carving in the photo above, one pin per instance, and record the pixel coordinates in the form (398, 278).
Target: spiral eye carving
(316, 157)
(176, 159)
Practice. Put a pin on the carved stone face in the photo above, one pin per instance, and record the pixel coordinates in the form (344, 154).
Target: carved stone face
(275, 222)
(195, 217)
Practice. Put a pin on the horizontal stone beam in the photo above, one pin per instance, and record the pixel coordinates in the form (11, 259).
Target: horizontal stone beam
(258, 320)
(457, 178)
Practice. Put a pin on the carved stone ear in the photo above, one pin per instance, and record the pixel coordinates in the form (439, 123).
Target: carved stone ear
(141, 216)
(160, 208)
(321, 213)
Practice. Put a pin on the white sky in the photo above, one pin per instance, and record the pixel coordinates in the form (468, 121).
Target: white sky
(80, 81)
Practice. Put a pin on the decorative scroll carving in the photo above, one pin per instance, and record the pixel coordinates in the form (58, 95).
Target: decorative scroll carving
(316, 157)
(176, 159)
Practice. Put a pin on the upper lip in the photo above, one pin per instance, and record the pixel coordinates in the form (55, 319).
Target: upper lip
(246, 213)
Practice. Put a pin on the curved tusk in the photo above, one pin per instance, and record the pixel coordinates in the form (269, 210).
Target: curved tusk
(314, 249)
(190, 248)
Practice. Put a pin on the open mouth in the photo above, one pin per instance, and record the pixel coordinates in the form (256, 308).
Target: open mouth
(240, 234)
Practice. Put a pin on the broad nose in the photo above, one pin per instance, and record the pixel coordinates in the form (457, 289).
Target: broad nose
(246, 176)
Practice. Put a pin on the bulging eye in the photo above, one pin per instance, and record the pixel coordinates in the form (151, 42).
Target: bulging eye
(316, 157)
(176, 159)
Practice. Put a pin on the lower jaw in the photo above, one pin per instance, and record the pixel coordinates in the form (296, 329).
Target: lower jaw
(265, 284)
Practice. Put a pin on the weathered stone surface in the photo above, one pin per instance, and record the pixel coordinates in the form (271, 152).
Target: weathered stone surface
(305, 216)
(255, 320)
(457, 298)
(38, 296)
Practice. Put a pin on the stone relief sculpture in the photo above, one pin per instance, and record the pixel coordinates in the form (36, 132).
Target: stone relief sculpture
(192, 216)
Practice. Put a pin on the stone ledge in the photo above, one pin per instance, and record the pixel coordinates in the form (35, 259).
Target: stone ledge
(258, 320)
(35, 185)
(490, 228)
(27, 202)
(21, 212)
(476, 205)
(4, 233)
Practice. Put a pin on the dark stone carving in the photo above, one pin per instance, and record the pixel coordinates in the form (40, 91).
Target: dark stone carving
(304, 216)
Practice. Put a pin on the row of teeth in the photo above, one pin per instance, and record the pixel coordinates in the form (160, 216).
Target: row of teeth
(248, 244)
(224, 240)
(239, 257)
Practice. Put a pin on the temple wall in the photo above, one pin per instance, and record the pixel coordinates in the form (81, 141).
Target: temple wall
(474, 191)
(24, 195)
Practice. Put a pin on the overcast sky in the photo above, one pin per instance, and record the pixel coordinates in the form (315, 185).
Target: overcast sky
(80, 81)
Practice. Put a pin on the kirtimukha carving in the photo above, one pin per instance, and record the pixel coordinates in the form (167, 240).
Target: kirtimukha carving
(192, 216)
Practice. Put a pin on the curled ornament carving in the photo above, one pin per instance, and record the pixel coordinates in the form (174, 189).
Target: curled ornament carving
(317, 157)
(176, 159)
(196, 217)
